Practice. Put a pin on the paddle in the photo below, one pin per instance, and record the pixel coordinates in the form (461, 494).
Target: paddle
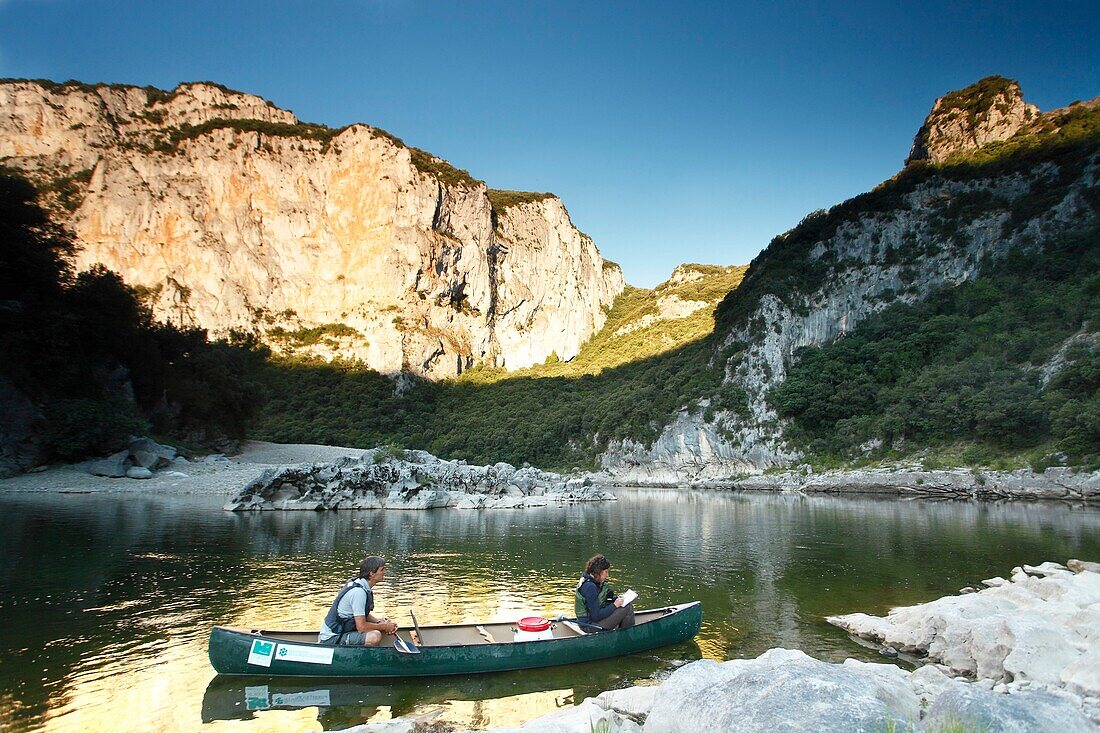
(416, 627)
(405, 647)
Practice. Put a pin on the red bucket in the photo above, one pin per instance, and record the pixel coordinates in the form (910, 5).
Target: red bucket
(533, 623)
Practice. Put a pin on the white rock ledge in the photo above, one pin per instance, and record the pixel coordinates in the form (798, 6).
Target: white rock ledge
(377, 480)
(1040, 630)
(786, 691)
(1062, 484)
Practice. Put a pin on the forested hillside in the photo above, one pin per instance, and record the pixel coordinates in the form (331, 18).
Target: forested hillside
(651, 358)
(999, 371)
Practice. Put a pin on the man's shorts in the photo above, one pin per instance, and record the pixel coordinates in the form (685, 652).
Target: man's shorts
(351, 638)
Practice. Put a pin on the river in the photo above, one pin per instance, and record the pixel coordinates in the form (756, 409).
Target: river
(106, 601)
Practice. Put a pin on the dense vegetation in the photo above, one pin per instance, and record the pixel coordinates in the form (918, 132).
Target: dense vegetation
(965, 365)
(88, 353)
(302, 130)
(629, 381)
(500, 199)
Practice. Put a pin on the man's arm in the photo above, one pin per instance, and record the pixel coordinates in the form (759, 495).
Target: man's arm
(365, 621)
(363, 624)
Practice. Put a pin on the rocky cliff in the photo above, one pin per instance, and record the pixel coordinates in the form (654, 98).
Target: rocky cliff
(231, 214)
(990, 111)
(962, 201)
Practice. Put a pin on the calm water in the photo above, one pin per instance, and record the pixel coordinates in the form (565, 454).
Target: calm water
(106, 602)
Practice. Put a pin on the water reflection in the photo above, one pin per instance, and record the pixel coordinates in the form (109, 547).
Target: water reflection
(343, 703)
(106, 602)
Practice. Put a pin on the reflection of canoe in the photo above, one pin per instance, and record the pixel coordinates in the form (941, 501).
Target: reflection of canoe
(238, 698)
(457, 649)
(351, 701)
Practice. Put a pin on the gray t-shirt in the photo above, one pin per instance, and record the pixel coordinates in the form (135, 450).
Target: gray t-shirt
(359, 601)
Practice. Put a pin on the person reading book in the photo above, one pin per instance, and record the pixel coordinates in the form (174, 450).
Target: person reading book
(597, 604)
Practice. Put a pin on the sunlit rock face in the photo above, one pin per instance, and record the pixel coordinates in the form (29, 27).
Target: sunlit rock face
(989, 111)
(230, 214)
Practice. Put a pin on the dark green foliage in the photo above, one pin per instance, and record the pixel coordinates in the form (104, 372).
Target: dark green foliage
(34, 252)
(976, 99)
(314, 335)
(152, 94)
(215, 386)
(425, 162)
(441, 170)
(302, 130)
(501, 199)
(79, 428)
(88, 351)
(963, 365)
(554, 422)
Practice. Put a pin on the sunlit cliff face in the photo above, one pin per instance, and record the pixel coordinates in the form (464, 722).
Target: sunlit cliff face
(323, 243)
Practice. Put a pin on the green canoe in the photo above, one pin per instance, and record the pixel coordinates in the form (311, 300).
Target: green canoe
(456, 649)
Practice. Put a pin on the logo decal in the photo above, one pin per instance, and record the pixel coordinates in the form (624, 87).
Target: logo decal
(261, 652)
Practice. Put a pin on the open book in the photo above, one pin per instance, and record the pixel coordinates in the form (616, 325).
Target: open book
(628, 597)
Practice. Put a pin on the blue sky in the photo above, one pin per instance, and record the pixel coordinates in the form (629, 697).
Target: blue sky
(674, 132)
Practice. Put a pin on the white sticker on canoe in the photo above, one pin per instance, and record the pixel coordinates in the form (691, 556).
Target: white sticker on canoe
(261, 652)
(307, 654)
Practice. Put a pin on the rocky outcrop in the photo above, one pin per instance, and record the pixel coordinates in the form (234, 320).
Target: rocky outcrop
(689, 450)
(989, 111)
(139, 460)
(229, 213)
(786, 690)
(416, 480)
(1039, 630)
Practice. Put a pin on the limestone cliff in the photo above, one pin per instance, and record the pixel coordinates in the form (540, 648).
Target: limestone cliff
(229, 213)
(989, 111)
(931, 225)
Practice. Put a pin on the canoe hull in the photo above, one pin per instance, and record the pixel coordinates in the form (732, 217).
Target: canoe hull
(237, 652)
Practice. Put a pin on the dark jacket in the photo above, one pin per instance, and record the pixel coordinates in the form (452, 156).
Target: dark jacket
(598, 601)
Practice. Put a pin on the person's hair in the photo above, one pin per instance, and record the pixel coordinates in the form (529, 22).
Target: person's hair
(595, 564)
(370, 565)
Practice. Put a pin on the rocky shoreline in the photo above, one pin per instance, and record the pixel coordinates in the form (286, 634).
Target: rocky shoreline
(1057, 484)
(1018, 657)
(381, 479)
(1039, 630)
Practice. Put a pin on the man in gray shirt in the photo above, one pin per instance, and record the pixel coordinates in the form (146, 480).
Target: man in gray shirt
(349, 620)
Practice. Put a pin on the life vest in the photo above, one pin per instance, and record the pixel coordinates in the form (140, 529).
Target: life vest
(580, 608)
(338, 625)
